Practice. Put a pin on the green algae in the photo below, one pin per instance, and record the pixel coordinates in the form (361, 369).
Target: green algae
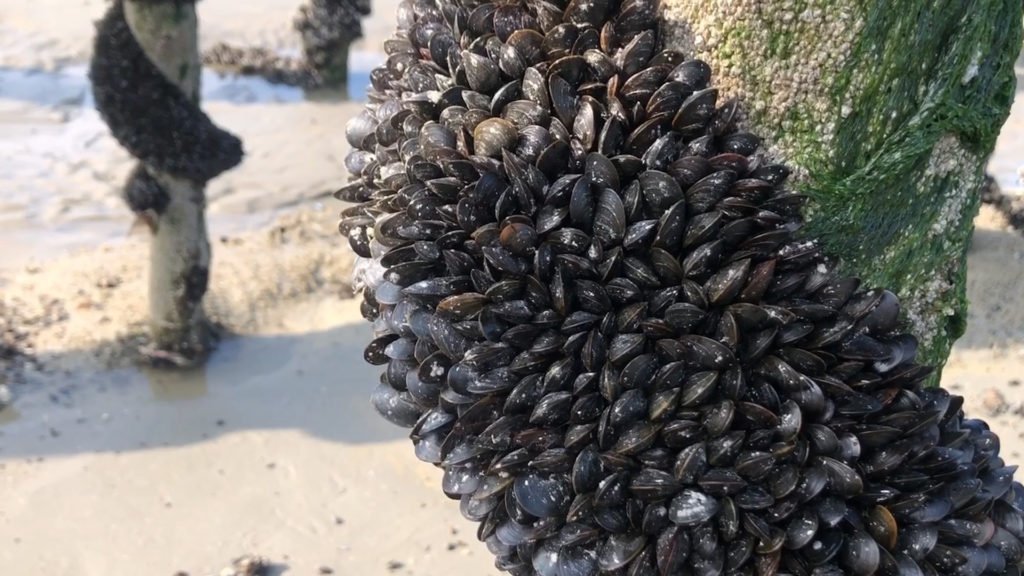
(887, 111)
(930, 72)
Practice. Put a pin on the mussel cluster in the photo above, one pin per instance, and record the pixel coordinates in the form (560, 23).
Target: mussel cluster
(597, 317)
(328, 27)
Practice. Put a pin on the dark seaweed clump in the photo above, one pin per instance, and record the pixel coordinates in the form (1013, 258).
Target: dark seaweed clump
(596, 315)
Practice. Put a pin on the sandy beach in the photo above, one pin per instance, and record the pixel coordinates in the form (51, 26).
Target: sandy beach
(272, 449)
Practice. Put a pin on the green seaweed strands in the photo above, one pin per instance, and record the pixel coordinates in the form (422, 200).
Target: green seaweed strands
(888, 112)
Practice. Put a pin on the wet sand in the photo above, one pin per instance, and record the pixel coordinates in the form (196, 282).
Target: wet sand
(270, 449)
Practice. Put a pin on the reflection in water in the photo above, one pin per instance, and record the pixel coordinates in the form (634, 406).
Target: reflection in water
(360, 64)
(176, 385)
(8, 414)
(358, 85)
(60, 168)
(69, 87)
(251, 383)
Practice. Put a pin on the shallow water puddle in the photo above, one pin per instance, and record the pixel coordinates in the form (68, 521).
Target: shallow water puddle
(267, 382)
(271, 449)
(61, 172)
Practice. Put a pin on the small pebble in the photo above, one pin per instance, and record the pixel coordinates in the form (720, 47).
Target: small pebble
(326, 570)
(994, 402)
(108, 282)
(395, 565)
(248, 565)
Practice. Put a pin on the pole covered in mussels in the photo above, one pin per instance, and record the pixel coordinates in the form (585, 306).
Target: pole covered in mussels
(145, 78)
(592, 306)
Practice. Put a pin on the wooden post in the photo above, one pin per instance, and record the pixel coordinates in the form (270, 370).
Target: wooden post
(145, 74)
(180, 250)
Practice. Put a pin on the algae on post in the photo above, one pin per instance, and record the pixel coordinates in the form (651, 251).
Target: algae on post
(887, 111)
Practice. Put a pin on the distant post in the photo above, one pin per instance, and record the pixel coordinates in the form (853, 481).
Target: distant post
(328, 28)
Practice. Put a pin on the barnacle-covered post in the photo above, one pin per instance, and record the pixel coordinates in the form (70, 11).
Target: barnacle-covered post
(887, 111)
(328, 28)
(145, 74)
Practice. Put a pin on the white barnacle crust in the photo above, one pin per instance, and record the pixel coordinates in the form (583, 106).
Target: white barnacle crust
(774, 56)
(367, 273)
(949, 160)
(692, 507)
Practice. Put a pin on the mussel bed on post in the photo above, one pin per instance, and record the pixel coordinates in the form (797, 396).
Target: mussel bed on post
(597, 315)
